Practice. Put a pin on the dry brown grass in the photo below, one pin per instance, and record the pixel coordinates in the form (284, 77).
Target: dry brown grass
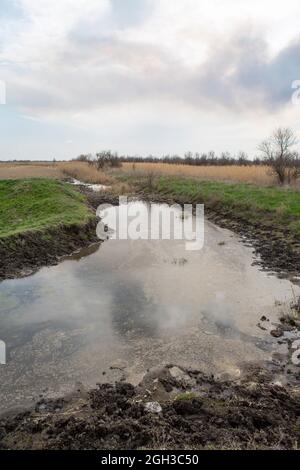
(244, 174)
(58, 170)
(84, 172)
(29, 170)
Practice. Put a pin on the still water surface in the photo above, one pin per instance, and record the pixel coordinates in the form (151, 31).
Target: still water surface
(114, 310)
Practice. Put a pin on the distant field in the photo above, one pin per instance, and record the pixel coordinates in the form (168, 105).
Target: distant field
(244, 174)
(259, 175)
(14, 171)
(59, 170)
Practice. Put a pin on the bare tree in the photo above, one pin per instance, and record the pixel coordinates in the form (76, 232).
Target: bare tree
(107, 158)
(280, 155)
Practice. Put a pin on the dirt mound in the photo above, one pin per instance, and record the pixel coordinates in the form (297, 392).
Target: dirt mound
(172, 408)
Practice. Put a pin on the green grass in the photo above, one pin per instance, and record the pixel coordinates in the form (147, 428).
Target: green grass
(259, 204)
(38, 204)
(186, 396)
(269, 199)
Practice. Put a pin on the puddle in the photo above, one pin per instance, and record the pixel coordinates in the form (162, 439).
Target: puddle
(94, 187)
(113, 311)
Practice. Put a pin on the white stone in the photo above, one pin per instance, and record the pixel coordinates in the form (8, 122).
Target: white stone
(153, 407)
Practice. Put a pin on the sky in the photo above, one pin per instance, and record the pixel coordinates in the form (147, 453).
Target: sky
(146, 76)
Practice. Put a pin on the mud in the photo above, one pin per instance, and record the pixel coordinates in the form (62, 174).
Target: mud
(172, 408)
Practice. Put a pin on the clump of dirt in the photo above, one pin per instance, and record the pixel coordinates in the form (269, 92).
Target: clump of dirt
(172, 408)
(25, 253)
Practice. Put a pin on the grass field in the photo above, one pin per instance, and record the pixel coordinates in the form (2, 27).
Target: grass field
(36, 204)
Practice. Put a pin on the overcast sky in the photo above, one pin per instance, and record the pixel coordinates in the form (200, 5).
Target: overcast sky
(145, 76)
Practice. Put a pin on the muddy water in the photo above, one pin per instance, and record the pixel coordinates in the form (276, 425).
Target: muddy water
(116, 309)
(93, 187)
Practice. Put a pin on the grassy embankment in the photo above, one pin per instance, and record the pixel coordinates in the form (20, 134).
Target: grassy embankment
(39, 204)
(271, 205)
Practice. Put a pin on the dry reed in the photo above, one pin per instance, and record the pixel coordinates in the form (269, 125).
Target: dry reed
(246, 174)
(84, 172)
(29, 170)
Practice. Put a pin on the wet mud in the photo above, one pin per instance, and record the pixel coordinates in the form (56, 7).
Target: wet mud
(172, 408)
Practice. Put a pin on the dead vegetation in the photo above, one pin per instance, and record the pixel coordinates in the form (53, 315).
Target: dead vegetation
(259, 174)
(88, 172)
(291, 314)
(15, 171)
(84, 172)
(58, 170)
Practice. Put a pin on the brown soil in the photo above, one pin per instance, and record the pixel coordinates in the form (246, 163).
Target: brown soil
(192, 411)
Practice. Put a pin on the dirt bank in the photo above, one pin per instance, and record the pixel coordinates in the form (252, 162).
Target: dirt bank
(41, 221)
(24, 254)
(172, 408)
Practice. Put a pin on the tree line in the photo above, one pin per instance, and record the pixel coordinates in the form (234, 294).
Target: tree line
(278, 152)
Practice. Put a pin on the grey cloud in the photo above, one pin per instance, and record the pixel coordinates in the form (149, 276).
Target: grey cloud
(102, 70)
(240, 74)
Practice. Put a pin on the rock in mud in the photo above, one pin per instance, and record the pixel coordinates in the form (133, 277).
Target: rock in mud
(153, 407)
(277, 333)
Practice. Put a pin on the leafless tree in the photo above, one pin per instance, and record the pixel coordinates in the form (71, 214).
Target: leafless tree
(107, 158)
(280, 154)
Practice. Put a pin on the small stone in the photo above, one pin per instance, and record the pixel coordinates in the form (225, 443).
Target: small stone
(276, 333)
(42, 407)
(263, 318)
(153, 407)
